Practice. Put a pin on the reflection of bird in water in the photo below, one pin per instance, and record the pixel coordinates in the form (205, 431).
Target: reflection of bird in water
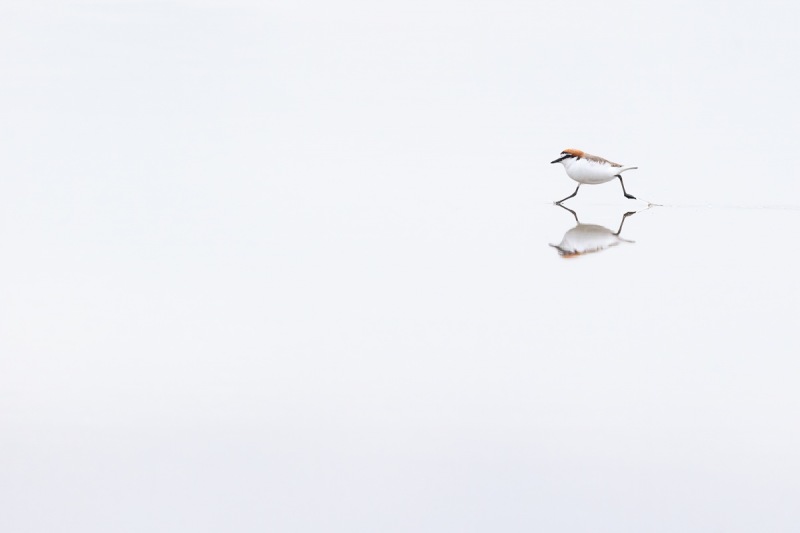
(587, 238)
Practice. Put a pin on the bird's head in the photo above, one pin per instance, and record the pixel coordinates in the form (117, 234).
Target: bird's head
(567, 154)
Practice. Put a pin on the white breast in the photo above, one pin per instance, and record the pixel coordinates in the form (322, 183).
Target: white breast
(587, 171)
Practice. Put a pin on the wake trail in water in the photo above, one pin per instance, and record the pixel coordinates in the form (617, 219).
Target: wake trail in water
(757, 207)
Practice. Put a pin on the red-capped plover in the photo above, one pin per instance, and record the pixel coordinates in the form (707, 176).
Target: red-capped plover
(590, 169)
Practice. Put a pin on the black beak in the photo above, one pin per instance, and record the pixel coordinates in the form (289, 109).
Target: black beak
(563, 157)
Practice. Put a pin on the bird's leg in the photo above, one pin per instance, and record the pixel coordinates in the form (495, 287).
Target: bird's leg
(632, 197)
(574, 214)
(570, 196)
(622, 222)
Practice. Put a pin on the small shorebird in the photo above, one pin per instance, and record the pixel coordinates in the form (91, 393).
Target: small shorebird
(591, 169)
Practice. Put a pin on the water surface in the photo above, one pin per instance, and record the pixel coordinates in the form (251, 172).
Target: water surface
(290, 268)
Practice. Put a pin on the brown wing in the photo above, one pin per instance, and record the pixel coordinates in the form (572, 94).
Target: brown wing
(598, 159)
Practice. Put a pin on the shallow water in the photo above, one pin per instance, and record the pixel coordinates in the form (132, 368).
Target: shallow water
(300, 276)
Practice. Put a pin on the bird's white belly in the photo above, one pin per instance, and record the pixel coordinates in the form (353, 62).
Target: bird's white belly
(584, 171)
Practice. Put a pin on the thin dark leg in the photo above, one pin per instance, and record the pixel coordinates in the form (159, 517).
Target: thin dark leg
(570, 196)
(632, 197)
(574, 214)
(624, 218)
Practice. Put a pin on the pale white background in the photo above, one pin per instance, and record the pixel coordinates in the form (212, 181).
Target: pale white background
(284, 266)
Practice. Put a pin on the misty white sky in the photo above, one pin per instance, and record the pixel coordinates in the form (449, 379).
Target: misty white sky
(284, 266)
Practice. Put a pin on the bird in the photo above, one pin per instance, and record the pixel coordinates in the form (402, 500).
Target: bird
(591, 169)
